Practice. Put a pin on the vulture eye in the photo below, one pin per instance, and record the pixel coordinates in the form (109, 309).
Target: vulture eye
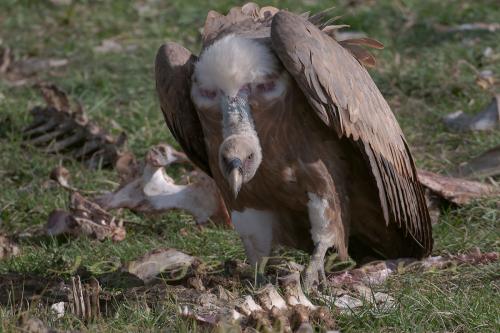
(207, 93)
(266, 86)
(246, 89)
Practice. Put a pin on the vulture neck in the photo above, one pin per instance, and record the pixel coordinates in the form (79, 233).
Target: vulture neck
(237, 118)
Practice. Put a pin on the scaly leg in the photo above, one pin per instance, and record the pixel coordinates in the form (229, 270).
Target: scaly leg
(315, 271)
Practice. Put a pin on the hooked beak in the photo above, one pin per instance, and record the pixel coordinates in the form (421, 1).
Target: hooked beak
(236, 119)
(235, 176)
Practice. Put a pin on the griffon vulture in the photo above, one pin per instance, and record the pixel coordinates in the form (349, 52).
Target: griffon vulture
(298, 138)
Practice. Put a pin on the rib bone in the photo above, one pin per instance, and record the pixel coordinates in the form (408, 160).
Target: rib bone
(58, 127)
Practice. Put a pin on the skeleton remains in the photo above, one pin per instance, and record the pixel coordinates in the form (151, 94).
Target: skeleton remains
(152, 190)
(57, 128)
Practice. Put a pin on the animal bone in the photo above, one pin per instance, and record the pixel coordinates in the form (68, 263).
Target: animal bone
(196, 283)
(441, 190)
(109, 46)
(247, 305)
(161, 155)
(87, 218)
(209, 308)
(58, 309)
(84, 299)
(455, 190)
(57, 128)
(488, 119)
(384, 300)
(475, 26)
(61, 175)
(485, 165)
(486, 79)
(156, 192)
(293, 292)
(205, 307)
(268, 296)
(153, 263)
(210, 314)
(346, 302)
(377, 272)
(19, 72)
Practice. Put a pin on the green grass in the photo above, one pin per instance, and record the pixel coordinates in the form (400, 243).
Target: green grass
(427, 83)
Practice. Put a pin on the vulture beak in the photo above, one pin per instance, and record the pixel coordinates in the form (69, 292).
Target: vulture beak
(237, 120)
(235, 176)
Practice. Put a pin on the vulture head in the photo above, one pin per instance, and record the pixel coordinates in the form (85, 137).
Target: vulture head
(232, 76)
(239, 159)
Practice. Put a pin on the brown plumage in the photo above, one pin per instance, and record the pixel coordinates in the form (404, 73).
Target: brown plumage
(297, 136)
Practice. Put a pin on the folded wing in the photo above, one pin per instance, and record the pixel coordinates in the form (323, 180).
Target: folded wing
(173, 70)
(343, 95)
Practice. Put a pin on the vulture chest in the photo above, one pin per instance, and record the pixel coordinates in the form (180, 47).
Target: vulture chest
(300, 155)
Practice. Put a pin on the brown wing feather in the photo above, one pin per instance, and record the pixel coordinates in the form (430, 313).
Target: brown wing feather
(173, 70)
(345, 97)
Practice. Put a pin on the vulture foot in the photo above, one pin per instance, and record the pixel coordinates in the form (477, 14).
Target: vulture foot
(315, 272)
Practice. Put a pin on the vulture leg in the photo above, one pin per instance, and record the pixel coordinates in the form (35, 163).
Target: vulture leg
(327, 230)
(315, 272)
(255, 229)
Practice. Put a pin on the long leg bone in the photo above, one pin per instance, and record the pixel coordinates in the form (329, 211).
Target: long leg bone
(247, 305)
(269, 298)
(293, 292)
(155, 192)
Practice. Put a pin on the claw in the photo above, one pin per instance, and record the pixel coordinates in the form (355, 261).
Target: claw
(314, 276)
(315, 272)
